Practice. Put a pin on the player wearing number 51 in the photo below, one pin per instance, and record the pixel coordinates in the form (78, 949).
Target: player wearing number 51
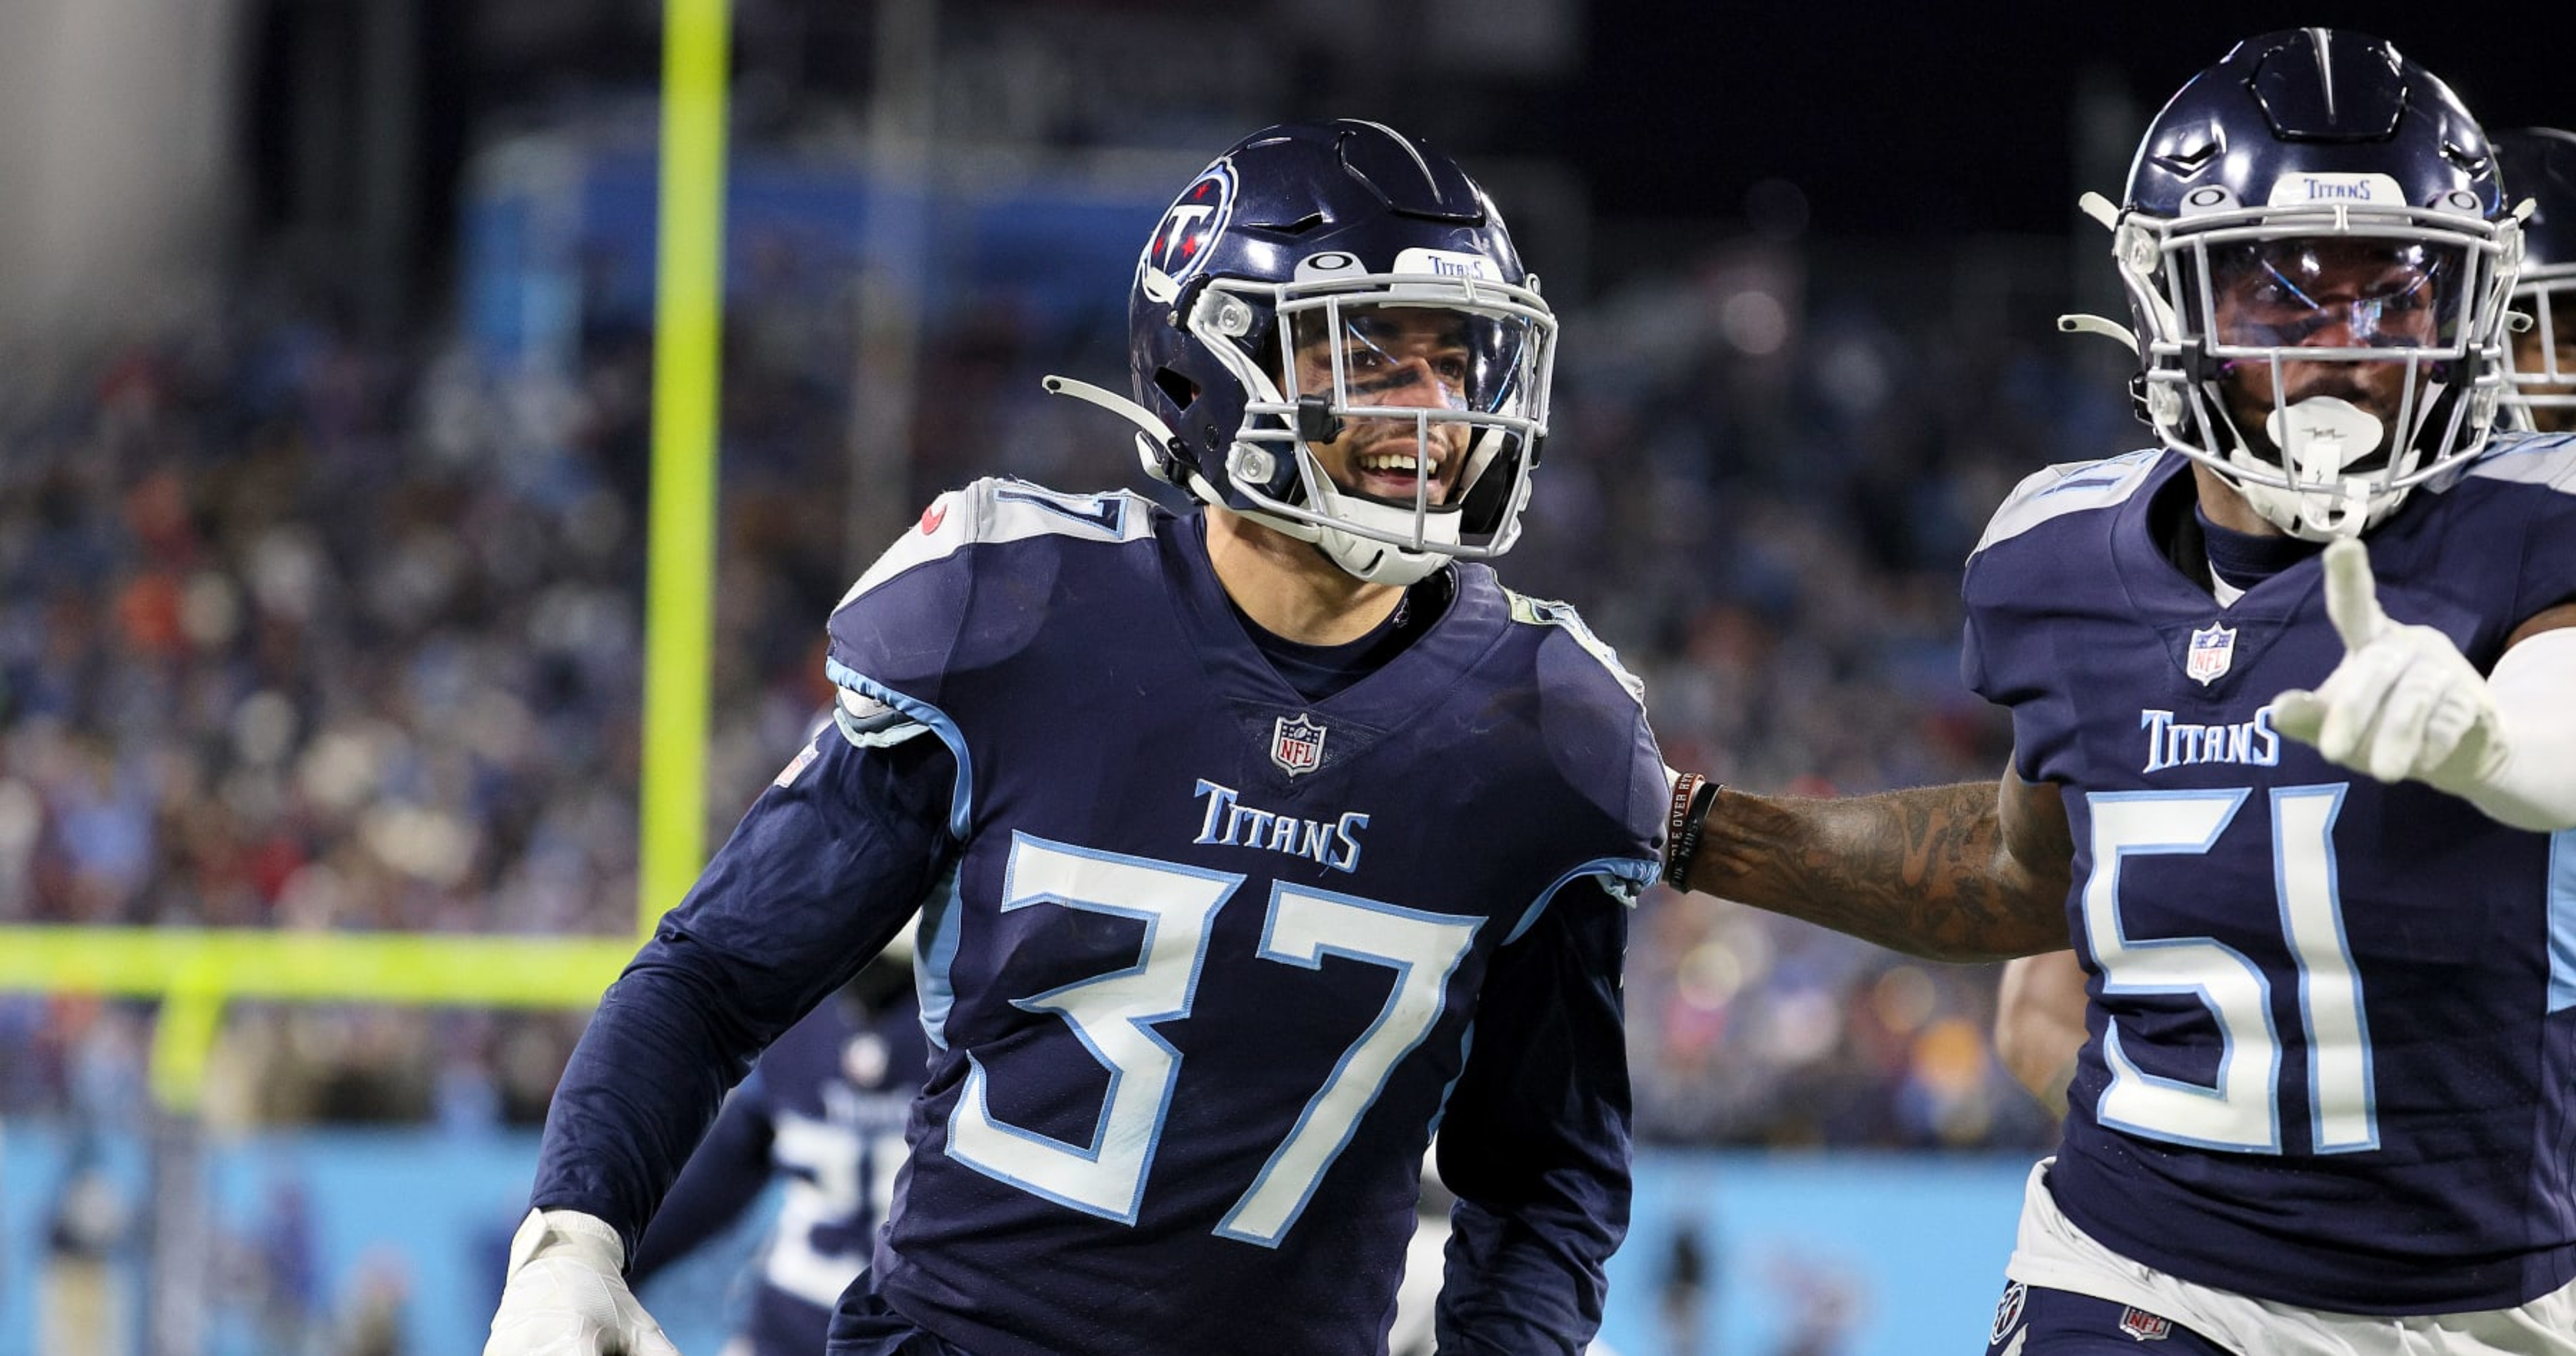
(1249, 842)
(2306, 827)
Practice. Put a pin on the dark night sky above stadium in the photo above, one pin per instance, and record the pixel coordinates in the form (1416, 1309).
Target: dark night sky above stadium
(1916, 119)
(1902, 118)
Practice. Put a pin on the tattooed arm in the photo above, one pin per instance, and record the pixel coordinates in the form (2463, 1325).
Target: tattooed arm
(1971, 872)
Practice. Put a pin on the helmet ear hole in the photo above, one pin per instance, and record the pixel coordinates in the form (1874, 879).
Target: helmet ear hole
(1179, 389)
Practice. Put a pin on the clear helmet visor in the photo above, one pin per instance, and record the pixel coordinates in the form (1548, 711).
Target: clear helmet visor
(1376, 352)
(1407, 403)
(1394, 417)
(2338, 293)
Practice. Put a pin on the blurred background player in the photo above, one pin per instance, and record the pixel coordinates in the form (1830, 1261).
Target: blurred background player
(2334, 1018)
(1205, 952)
(2539, 163)
(823, 1112)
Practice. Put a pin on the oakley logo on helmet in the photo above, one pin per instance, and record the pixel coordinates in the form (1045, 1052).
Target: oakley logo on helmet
(1412, 260)
(1190, 225)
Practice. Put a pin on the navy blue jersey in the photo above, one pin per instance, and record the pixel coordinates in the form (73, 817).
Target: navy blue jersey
(2333, 1038)
(824, 1111)
(1203, 964)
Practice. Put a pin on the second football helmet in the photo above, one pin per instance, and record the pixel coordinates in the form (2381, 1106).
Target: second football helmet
(1322, 278)
(2317, 249)
(2539, 164)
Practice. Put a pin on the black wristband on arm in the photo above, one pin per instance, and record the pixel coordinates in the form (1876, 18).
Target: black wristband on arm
(1693, 794)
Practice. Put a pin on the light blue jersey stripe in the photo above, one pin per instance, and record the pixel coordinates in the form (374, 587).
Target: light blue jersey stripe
(934, 956)
(2562, 920)
(962, 801)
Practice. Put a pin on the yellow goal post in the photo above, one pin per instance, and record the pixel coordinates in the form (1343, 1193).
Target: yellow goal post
(195, 972)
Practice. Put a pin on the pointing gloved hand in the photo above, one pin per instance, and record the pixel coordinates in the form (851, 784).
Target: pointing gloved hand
(2404, 703)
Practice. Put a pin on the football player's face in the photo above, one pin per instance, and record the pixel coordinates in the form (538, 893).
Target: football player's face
(2531, 353)
(1413, 357)
(2329, 293)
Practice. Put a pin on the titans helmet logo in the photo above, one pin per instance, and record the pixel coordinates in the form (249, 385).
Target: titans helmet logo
(1190, 226)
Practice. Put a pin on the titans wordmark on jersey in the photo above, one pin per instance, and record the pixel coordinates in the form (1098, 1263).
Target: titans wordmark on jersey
(2333, 1048)
(1196, 1006)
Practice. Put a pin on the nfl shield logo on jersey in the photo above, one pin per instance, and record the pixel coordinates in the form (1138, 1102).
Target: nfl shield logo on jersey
(2212, 650)
(2144, 1326)
(1297, 746)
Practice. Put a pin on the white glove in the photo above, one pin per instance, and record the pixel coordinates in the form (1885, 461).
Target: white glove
(2404, 703)
(566, 1293)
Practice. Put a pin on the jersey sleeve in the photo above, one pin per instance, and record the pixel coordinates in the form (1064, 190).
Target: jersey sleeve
(954, 598)
(894, 635)
(826, 868)
(1981, 675)
(2006, 650)
(1593, 722)
(1989, 659)
(722, 1179)
(1535, 1138)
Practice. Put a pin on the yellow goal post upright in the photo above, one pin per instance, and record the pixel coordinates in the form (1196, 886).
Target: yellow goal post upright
(195, 972)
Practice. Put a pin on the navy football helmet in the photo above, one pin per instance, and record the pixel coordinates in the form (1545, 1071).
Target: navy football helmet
(2539, 165)
(2316, 248)
(1341, 285)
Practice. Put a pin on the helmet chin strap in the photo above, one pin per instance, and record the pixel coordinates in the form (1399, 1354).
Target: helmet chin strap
(2318, 438)
(1375, 561)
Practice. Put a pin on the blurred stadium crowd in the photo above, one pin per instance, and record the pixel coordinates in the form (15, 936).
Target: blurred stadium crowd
(305, 630)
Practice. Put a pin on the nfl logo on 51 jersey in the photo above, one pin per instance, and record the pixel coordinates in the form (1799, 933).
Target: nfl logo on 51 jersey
(1297, 746)
(2212, 650)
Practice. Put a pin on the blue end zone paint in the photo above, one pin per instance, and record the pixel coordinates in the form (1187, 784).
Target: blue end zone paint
(1916, 1241)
